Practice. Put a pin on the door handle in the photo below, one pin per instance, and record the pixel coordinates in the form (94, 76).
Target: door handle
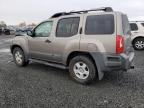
(48, 41)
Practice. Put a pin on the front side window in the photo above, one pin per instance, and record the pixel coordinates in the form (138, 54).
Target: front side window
(44, 29)
(67, 27)
(99, 24)
(134, 26)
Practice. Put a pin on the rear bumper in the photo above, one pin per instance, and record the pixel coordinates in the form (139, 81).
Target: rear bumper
(106, 62)
(127, 61)
(109, 62)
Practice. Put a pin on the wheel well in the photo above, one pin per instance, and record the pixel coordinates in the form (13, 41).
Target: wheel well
(137, 38)
(77, 53)
(14, 46)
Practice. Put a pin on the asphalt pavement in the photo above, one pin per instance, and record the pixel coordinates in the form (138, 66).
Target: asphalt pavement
(41, 86)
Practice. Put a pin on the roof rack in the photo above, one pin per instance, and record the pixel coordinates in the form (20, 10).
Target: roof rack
(105, 9)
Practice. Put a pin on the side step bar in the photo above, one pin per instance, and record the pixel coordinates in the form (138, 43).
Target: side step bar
(50, 64)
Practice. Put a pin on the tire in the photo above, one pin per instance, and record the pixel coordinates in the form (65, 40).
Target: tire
(82, 70)
(7, 33)
(19, 57)
(138, 44)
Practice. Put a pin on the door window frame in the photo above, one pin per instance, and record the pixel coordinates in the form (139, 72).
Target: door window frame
(67, 18)
(91, 15)
(136, 29)
(40, 25)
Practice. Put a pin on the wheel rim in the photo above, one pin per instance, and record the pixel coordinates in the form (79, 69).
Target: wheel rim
(18, 57)
(139, 44)
(81, 70)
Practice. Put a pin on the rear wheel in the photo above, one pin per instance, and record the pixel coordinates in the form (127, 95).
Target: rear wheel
(138, 44)
(82, 69)
(19, 57)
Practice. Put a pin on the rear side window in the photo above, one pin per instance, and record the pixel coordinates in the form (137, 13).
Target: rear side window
(134, 26)
(142, 24)
(67, 27)
(125, 25)
(99, 24)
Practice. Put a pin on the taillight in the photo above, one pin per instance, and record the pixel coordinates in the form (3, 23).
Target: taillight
(119, 44)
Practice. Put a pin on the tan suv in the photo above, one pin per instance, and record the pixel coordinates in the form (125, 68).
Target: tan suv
(88, 43)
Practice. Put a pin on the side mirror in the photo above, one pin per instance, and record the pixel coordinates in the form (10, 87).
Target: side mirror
(30, 33)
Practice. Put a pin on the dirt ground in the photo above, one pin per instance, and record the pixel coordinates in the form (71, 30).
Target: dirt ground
(40, 86)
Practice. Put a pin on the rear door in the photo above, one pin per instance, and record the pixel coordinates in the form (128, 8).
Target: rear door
(66, 37)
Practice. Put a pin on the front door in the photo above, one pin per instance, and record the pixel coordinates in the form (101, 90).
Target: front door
(40, 43)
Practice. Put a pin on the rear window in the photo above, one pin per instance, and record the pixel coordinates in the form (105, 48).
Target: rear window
(125, 25)
(134, 26)
(142, 24)
(99, 24)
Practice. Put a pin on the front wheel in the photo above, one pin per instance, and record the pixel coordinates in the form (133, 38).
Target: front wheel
(19, 57)
(82, 69)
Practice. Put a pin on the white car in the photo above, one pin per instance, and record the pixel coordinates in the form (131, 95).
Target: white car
(137, 30)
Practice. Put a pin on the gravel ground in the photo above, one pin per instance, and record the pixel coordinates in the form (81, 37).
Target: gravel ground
(40, 86)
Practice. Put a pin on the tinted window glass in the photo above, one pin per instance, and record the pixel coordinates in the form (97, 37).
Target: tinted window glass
(44, 29)
(134, 26)
(142, 24)
(67, 27)
(99, 24)
(125, 24)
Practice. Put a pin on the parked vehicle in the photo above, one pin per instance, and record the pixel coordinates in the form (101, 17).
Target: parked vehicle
(6, 31)
(137, 29)
(12, 31)
(22, 31)
(88, 43)
(0, 31)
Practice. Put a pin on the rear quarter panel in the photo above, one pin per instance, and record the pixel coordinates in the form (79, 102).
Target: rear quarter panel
(99, 43)
(137, 35)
